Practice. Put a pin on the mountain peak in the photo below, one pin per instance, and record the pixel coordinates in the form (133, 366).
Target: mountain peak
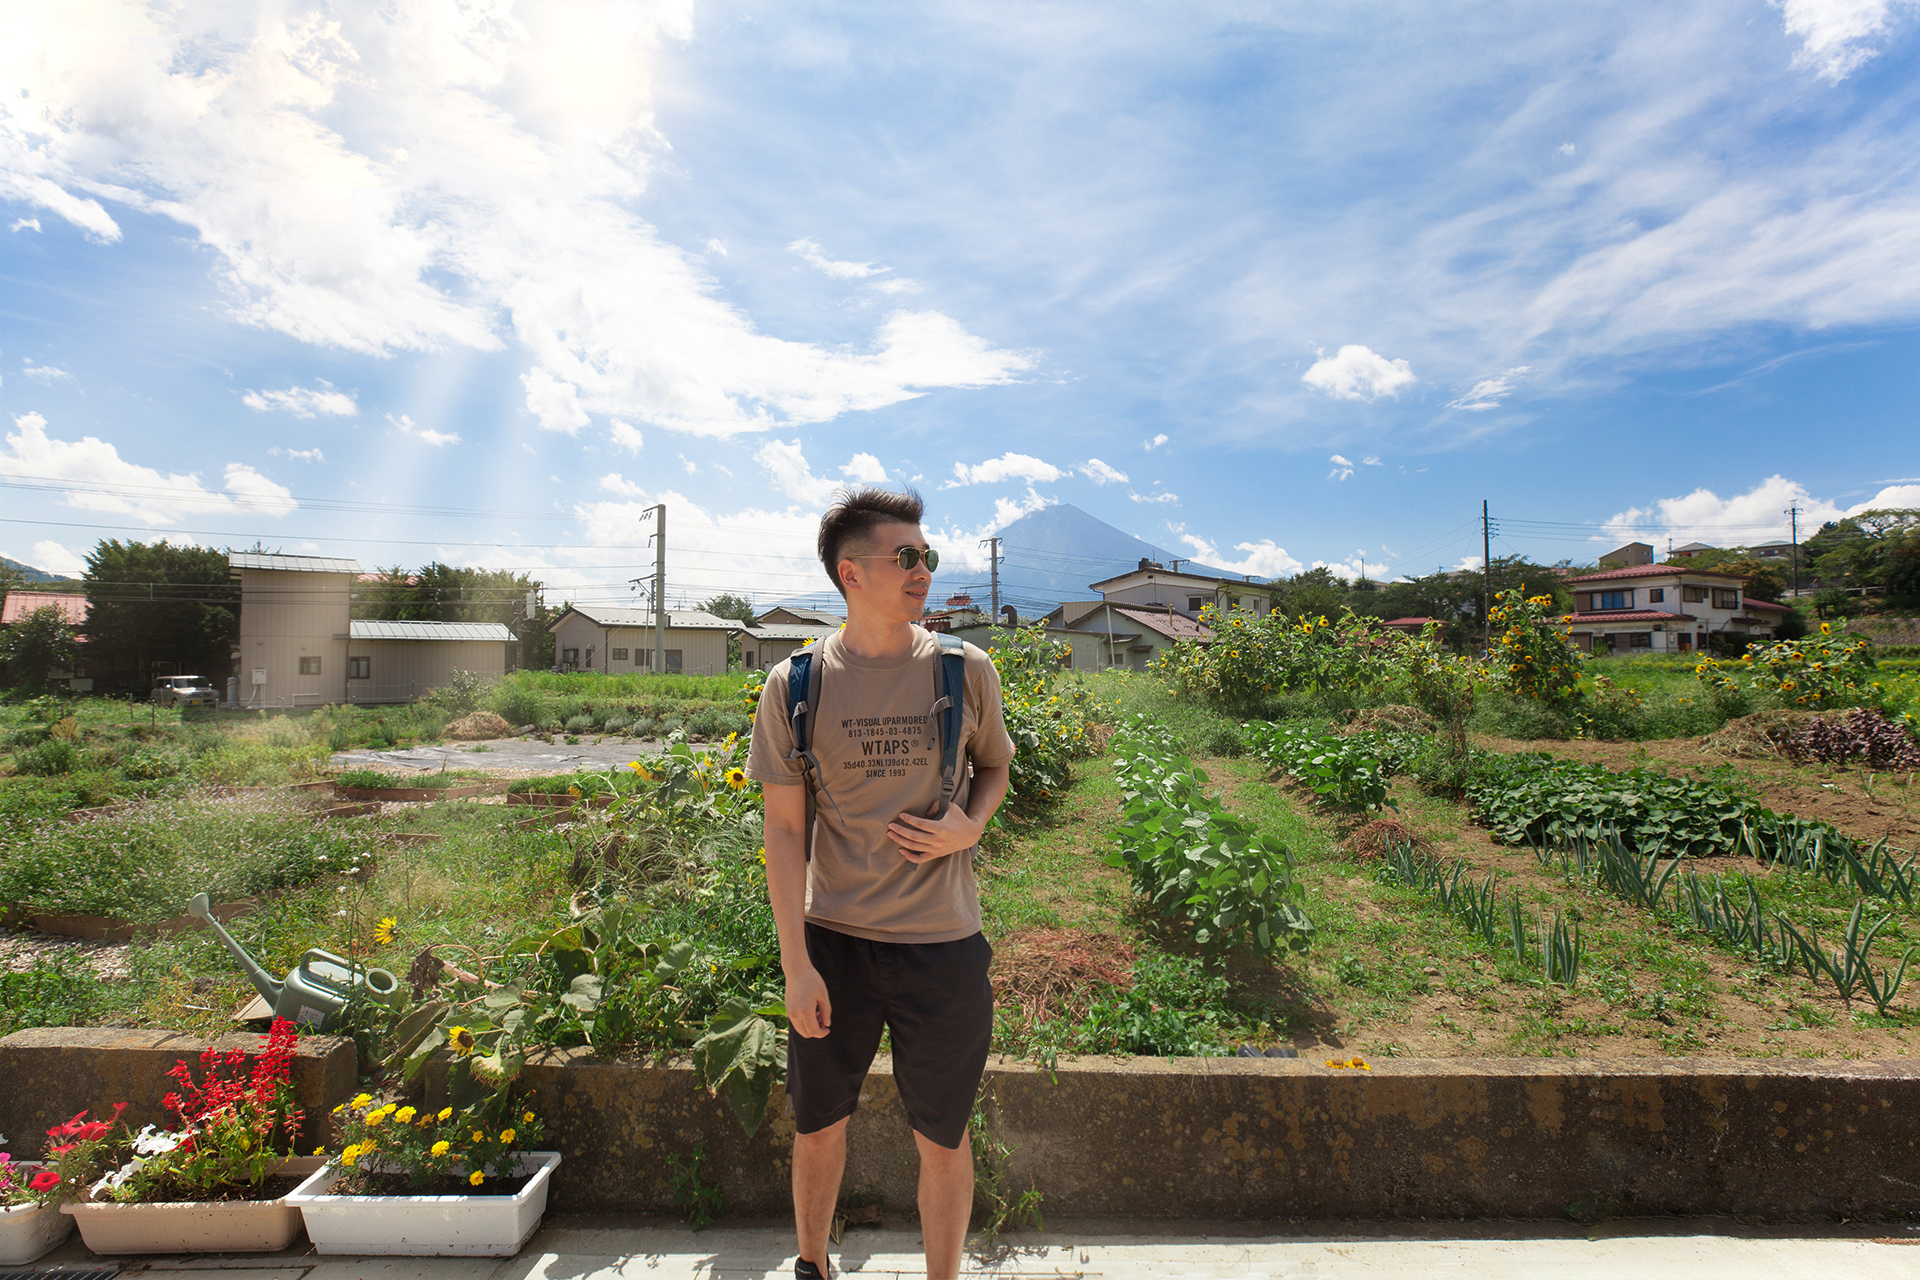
(1053, 554)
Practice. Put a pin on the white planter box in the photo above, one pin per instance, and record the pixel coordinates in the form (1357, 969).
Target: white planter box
(219, 1226)
(426, 1226)
(29, 1230)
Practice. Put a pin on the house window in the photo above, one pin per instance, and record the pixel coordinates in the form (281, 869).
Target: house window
(359, 668)
(1657, 595)
(570, 657)
(1194, 603)
(619, 655)
(1686, 641)
(1639, 639)
(1616, 599)
(673, 659)
(1693, 595)
(309, 666)
(1726, 597)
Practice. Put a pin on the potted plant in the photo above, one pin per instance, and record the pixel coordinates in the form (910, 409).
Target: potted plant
(30, 1219)
(440, 1183)
(214, 1182)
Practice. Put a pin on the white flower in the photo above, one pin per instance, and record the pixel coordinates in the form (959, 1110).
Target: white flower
(155, 1142)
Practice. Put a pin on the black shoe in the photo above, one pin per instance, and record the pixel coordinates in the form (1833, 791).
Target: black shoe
(804, 1270)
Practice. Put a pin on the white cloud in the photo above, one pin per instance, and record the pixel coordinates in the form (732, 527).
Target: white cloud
(1100, 473)
(627, 436)
(718, 246)
(407, 427)
(1370, 461)
(811, 253)
(555, 403)
(1358, 373)
(703, 550)
(382, 178)
(1341, 468)
(616, 483)
(1835, 35)
(1007, 510)
(1008, 466)
(897, 284)
(864, 468)
(1565, 149)
(1903, 496)
(28, 224)
(1489, 392)
(1163, 496)
(1262, 559)
(688, 463)
(790, 470)
(104, 481)
(304, 402)
(298, 455)
(56, 558)
(45, 374)
(1758, 515)
(1155, 443)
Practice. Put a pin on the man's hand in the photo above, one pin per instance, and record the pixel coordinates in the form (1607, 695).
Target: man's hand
(808, 1010)
(924, 839)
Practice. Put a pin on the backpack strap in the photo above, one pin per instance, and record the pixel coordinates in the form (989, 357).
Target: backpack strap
(800, 719)
(951, 708)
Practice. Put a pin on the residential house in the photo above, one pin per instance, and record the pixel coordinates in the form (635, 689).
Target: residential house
(300, 645)
(1104, 635)
(619, 640)
(1152, 584)
(1663, 608)
(1630, 556)
(799, 615)
(1411, 626)
(1775, 551)
(765, 645)
(73, 606)
(1689, 551)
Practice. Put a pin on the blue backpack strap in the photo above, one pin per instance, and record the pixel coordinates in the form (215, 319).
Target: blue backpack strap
(951, 708)
(800, 719)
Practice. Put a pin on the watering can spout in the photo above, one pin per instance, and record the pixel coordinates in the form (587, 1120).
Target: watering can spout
(268, 987)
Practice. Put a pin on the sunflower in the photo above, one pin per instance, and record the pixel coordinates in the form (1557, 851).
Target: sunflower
(461, 1040)
(736, 777)
(383, 932)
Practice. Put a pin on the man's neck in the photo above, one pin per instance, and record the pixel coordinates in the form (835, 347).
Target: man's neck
(876, 638)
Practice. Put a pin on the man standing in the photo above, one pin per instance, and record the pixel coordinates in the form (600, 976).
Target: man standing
(879, 920)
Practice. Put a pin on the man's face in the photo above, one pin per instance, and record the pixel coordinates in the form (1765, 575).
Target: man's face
(873, 574)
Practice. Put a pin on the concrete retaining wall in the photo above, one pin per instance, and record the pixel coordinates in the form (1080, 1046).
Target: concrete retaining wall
(1251, 1139)
(1189, 1138)
(50, 1074)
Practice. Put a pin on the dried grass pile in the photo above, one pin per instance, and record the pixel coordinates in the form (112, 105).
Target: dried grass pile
(1371, 840)
(1389, 720)
(1052, 973)
(480, 724)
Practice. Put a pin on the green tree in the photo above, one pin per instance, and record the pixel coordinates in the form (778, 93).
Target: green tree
(152, 603)
(728, 605)
(40, 642)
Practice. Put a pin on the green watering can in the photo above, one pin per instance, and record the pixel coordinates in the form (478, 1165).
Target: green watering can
(317, 990)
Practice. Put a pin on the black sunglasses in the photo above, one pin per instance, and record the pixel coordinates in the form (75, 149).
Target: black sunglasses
(908, 558)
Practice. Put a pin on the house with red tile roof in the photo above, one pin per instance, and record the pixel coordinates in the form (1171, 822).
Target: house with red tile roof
(1664, 608)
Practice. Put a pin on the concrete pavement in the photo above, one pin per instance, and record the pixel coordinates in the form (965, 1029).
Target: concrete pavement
(579, 1248)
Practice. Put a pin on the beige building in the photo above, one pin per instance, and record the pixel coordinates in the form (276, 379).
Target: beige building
(300, 646)
(1664, 608)
(619, 641)
(1157, 587)
(765, 645)
(1106, 635)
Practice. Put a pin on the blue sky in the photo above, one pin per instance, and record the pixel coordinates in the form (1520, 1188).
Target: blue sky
(1278, 285)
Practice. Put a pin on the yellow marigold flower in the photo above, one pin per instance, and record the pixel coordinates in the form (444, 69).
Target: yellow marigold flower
(446, 1114)
(527, 1118)
(363, 1100)
(404, 1115)
(476, 1177)
(376, 1118)
(574, 792)
(383, 932)
(461, 1040)
(479, 1136)
(441, 1147)
(506, 1135)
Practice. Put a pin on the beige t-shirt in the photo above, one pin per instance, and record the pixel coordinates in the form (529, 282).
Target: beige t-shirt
(879, 751)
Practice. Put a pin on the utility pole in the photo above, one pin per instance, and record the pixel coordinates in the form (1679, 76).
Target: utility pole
(1794, 511)
(1486, 571)
(993, 551)
(659, 510)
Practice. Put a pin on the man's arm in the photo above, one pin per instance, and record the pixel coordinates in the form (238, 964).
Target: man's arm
(786, 830)
(924, 839)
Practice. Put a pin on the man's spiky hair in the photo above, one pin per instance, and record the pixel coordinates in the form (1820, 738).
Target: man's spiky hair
(857, 513)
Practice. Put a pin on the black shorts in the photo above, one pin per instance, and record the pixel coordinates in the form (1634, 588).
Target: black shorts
(936, 1000)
